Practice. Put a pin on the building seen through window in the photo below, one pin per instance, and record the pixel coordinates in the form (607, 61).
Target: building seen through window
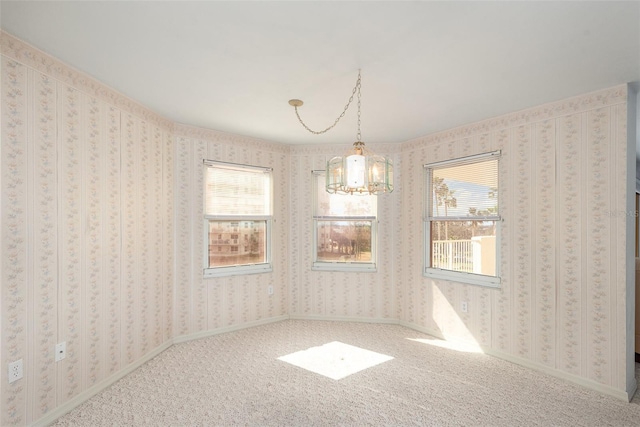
(238, 217)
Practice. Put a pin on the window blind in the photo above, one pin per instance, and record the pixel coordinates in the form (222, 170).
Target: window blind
(340, 205)
(237, 191)
(464, 190)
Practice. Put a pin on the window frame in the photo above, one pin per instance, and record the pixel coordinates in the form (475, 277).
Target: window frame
(243, 269)
(341, 266)
(451, 275)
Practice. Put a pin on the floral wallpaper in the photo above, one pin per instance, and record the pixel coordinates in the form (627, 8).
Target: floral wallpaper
(332, 294)
(102, 237)
(563, 190)
(203, 305)
(87, 232)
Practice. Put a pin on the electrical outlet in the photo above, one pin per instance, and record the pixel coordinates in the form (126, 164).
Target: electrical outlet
(270, 290)
(15, 371)
(465, 307)
(61, 351)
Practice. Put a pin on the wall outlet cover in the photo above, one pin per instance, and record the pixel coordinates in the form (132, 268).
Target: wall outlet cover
(15, 371)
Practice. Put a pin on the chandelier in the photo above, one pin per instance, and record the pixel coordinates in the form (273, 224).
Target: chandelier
(360, 171)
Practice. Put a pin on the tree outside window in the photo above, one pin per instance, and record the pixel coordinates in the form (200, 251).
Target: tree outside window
(344, 229)
(462, 219)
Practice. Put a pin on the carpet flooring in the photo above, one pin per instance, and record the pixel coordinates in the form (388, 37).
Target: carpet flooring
(237, 378)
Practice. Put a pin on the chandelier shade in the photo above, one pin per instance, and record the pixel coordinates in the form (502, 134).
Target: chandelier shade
(357, 172)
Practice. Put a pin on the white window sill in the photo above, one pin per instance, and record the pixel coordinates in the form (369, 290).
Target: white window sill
(344, 267)
(461, 277)
(237, 270)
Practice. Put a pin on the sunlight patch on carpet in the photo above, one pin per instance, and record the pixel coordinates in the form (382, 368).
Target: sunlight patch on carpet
(335, 360)
(451, 345)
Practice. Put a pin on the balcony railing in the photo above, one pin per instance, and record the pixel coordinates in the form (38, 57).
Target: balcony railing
(454, 255)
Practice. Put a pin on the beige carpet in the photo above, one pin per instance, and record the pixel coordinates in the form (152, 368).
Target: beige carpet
(237, 379)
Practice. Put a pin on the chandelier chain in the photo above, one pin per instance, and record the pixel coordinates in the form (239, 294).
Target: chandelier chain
(346, 107)
(359, 136)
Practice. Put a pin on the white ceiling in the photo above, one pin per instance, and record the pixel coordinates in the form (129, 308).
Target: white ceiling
(426, 66)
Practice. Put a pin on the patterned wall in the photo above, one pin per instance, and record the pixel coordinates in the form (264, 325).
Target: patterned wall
(208, 304)
(339, 294)
(563, 193)
(87, 231)
(95, 190)
(102, 236)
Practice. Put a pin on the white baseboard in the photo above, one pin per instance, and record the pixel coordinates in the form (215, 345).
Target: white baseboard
(87, 394)
(97, 388)
(345, 319)
(584, 382)
(208, 333)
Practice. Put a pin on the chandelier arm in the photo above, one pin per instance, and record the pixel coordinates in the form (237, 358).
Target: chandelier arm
(346, 107)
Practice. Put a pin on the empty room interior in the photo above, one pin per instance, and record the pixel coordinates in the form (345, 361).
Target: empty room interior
(319, 213)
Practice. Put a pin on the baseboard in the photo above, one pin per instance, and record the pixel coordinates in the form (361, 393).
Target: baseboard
(87, 394)
(97, 388)
(584, 382)
(346, 319)
(211, 332)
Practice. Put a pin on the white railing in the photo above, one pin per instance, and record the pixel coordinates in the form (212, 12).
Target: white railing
(454, 255)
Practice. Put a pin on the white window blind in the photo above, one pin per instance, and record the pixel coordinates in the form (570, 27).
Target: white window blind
(341, 206)
(462, 220)
(238, 219)
(237, 191)
(344, 230)
(464, 190)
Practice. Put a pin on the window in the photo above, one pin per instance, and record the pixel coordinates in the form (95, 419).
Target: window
(344, 229)
(462, 221)
(237, 194)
